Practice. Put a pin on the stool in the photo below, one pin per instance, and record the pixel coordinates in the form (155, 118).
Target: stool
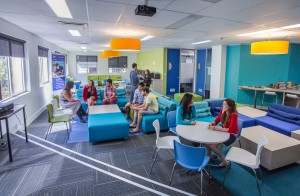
(268, 93)
(292, 96)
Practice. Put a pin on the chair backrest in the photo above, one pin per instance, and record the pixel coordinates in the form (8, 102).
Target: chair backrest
(240, 127)
(56, 97)
(50, 112)
(263, 140)
(55, 105)
(157, 129)
(171, 116)
(188, 155)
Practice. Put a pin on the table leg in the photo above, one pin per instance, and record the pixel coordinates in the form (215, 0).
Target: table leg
(1, 130)
(8, 140)
(25, 125)
(255, 97)
(283, 98)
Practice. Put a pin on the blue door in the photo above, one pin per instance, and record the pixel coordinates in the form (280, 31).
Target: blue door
(173, 61)
(200, 72)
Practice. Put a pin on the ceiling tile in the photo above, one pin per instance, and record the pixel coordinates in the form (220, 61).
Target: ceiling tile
(159, 4)
(188, 6)
(105, 11)
(165, 18)
(129, 17)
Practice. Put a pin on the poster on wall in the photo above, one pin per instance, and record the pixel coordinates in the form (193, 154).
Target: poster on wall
(58, 71)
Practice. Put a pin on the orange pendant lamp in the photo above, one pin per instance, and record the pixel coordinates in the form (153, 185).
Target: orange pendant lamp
(110, 54)
(125, 44)
(271, 47)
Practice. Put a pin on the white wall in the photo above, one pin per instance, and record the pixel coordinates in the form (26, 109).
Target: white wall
(37, 97)
(102, 66)
(218, 69)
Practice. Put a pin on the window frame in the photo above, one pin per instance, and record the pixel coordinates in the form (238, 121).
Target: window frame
(9, 65)
(87, 67)
(41, 78)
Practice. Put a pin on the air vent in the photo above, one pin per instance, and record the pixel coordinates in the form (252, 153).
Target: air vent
(74, 24)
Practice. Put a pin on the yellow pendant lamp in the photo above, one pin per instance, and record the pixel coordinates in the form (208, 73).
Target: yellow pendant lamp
(125, 44)
(271, 47)
(110, 54)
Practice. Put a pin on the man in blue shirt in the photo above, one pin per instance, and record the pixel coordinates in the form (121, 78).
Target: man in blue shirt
(138, 99)
(134, 80)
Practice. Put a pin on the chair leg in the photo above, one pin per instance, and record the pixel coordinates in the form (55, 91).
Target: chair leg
(226, 171)
(67, 130)
(240, 143)
(168, 132)
(261, 176)
(48, 131)
(153, 152)
(154, 161)
(256, 181)
(172, 174)
(276, 98)
(201, 180)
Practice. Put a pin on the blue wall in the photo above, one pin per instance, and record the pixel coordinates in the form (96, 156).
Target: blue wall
(232, 71)
(242, 68)
(294, 68)
(200, 73)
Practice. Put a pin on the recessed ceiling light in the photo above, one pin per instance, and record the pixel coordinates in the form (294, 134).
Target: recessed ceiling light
(75, 33)
(83, 47)
(60, 8)
(291, 26)
(260, 32)
(147, 37)
(202, 42)
(271, 30)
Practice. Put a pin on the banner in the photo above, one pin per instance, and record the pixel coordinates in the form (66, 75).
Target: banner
(58, 71)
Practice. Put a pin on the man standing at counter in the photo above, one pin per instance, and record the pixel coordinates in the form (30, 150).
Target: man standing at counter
(134, 80)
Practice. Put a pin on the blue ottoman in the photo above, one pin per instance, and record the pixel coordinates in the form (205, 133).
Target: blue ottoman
(107, 126)
(247, 121)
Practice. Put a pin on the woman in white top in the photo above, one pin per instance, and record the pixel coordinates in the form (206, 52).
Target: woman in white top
(66, 100)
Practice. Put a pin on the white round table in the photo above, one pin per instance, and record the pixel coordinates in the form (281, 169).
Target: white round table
(201, 134)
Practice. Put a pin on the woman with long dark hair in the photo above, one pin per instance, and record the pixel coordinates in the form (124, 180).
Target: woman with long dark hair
(228, 117)
(186, 112)
(66, 100)
(90, 94)
(146, 78)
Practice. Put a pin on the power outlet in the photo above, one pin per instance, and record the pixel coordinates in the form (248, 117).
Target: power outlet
(200, 90)
(172, 90)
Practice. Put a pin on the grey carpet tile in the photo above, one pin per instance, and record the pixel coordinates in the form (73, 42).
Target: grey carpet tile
(144, 141)
(107, 146)
(119, 159)
(136, 151)
(11, 181)
(63, 162)
(69, 179)
(139, 159)
(101, 178)
(116, 188)
(68, 171)
(32, 180)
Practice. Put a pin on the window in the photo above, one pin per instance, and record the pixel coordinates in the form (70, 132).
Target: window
(43, 65)
(86, 64)
(12, 73)
(117, 65)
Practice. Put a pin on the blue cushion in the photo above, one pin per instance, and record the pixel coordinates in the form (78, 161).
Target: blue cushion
(122, 101)
(277, 125)
(201, 104)
(247, 121)
(297, 122)
(284, 114)
(285, 108)
(206, 119)
(147, 121)
(163, 109)
(214, 104)
(207, 109)
(168, 103)
(218, 108)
